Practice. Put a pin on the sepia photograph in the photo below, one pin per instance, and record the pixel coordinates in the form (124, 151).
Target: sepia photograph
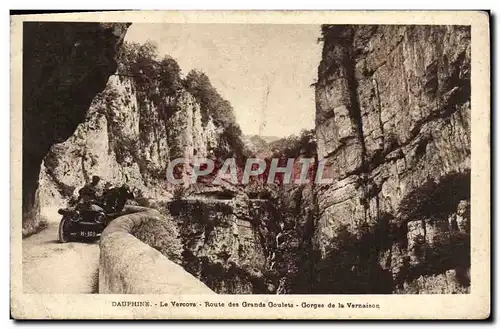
(285, 166)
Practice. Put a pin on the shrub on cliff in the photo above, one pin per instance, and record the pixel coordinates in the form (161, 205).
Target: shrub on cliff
(293, 146)
(161, 234)
(140, 61)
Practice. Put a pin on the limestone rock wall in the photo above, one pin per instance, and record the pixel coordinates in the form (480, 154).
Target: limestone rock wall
(392, 112)
(125, 138)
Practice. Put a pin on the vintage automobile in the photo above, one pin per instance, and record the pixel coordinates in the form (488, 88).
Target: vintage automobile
(81, 223)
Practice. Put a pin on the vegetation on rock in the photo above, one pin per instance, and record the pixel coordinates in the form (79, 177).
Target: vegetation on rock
(140, 61)
(160, 80)
(294, 146)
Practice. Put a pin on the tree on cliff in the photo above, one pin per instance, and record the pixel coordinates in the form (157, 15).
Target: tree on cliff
(169, 73)
(212, 103)
(140, 61)
(293, 146)
(158, 79)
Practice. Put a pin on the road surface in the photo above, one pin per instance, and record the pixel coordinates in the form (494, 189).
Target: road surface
(53, 267)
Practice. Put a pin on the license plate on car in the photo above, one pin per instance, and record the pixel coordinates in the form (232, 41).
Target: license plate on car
(89, 234)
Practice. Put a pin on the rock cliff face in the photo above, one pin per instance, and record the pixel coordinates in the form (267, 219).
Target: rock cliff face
(64, 66)
(126, 138)
(227, 243)
(393, 125)
(131, 132)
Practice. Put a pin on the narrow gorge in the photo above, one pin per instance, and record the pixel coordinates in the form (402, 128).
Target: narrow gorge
(392, 129)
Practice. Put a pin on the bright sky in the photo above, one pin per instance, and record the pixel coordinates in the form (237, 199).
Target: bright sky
(242, 62)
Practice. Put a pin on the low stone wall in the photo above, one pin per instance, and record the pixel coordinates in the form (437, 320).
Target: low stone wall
(129, 266)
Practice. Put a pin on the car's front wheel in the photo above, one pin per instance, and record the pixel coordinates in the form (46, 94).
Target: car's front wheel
(64, 230)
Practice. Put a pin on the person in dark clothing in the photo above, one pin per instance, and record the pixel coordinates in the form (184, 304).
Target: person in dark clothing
(90, 195)
(114, 198)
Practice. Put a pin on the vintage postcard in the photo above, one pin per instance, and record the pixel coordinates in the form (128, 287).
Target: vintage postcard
(250, 165)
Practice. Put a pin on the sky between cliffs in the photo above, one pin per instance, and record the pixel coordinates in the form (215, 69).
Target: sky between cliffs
(246, 62)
